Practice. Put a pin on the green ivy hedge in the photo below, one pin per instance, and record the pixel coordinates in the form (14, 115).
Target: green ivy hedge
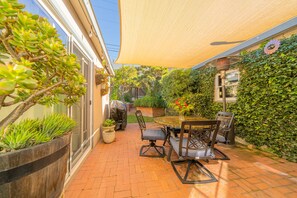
(267, 99)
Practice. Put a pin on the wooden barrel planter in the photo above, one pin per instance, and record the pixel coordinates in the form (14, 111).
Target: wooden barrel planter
(38, 171)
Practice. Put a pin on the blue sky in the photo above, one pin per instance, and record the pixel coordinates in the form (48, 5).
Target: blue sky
(107, 14)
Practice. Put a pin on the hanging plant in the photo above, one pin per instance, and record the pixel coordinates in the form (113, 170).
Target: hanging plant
(105, 89)
(271, 46)
(101, 76)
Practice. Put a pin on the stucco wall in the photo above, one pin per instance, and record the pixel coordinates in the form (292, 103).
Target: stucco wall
(97, 112)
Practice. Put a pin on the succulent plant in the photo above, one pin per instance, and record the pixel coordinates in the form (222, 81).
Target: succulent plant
(35, 67)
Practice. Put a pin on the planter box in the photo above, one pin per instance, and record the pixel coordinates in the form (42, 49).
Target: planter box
(151, 112)
(37, 171)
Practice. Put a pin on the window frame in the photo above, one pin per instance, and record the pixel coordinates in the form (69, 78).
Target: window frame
(217, 87)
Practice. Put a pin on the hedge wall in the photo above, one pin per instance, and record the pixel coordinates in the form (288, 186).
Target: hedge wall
(267, 99)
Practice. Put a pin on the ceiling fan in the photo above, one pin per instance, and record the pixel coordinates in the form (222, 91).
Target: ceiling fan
(225, 42)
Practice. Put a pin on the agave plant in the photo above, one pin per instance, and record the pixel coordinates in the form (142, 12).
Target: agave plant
(35, 67)
(31, 132)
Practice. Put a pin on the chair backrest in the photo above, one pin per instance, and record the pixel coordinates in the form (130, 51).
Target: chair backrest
(201, 136)
(140, 120)
(226, 119)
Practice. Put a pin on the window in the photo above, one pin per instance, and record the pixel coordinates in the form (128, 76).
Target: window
(36, 8)
(231, 83)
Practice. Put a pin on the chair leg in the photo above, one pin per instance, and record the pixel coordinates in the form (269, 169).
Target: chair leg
(188, 169)
(224, 156)
(202, 169)
(152, 145)
(169, 153)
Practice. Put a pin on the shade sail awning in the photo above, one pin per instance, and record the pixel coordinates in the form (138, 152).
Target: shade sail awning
(184, 33)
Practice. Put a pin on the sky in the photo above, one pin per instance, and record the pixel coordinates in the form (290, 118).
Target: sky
(107, 14)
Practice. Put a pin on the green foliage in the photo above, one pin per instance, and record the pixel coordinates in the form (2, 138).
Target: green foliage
(125, 78)
(128, 97)
(31, 132)
(55, 125)
(201, 90)
(149, 78)
(108, 122)
(267, 99)
(150, 101)
(19, 136)
(196, 86)
(39, 69)
(175, 84)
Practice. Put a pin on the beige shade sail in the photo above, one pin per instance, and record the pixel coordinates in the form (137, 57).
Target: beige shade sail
(184, 33)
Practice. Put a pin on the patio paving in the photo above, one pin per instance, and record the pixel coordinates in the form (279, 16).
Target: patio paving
(116, 170)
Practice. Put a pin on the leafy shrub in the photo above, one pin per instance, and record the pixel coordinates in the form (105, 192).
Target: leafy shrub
(128, 97)
(150, 101)
(175, 84)
(197, 86)
(34, 131)
(37, 69)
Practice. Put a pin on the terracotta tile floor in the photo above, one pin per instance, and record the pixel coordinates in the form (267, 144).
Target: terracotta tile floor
(116, 170)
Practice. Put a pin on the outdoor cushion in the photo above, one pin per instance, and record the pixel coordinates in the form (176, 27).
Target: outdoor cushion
(153, 134)
(220, 138)
(199, 153)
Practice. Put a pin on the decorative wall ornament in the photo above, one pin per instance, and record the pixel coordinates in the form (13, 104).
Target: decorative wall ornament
(271, 46)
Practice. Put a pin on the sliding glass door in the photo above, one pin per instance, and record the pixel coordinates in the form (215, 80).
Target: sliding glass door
(80, 112)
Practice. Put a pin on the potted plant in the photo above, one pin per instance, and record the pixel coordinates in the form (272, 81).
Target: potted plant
(152, 106)
(108, 131)
(101, 76)
(35, 68)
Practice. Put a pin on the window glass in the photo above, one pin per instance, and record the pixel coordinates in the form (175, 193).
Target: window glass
(231, 84)
(35, 8)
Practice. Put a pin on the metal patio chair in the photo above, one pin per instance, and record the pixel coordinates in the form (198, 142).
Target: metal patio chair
(224, 131)
(152, 135)
(197, 144)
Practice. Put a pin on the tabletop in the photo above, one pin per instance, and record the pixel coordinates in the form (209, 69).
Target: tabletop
(174, 121)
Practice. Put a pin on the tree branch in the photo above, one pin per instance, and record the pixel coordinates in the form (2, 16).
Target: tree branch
(21, 54)
(11, 96)
(42, 92)
(13, 116)
(2, 98)
(9, 49)
(24, 106)
(6, 104)
(37, 58)
(51, 77)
